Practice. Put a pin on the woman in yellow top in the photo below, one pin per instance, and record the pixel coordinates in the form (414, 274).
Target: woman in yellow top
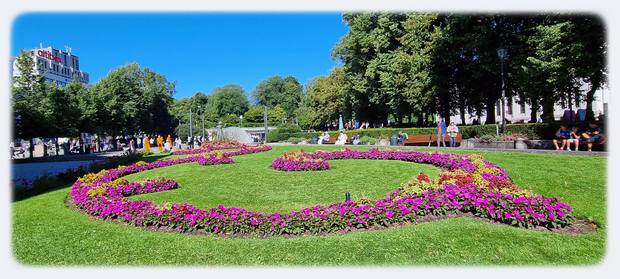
(147, 145)
(160, 143)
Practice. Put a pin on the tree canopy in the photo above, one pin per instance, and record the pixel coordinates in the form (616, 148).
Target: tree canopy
(286, 92)
(403, 64)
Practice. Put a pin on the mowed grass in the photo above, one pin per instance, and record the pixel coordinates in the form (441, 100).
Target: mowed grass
(252, 183)
(46, 232)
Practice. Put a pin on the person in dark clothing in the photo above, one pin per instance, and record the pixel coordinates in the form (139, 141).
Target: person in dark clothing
(593, 135)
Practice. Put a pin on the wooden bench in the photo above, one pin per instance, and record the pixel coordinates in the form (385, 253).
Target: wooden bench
(332, 140)
(414, 139)
(17, 151)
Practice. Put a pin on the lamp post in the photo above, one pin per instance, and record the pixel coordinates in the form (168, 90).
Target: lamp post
(265, 124)
(502, 53)
(202, 116)
(190, 123)
(240, 121)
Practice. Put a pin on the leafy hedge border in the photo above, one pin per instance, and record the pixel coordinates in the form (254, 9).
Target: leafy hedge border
(469, 184)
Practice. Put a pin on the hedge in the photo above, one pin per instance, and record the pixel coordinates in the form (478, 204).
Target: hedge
(532, 130)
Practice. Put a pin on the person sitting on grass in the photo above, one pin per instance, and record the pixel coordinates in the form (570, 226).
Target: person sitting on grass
(355, 139)
(574, 138)
(594, 135)
(562, 135)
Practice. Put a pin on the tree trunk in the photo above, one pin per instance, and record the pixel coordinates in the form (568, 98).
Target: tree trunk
(420, 119)
(534, 111)
(589, 101)
(462, 112)
(490, 107)
(31, 148)
(114, 141)
(57, 147)
(548, 110)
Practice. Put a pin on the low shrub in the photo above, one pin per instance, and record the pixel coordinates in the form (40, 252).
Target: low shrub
(366, 140)
(283, 133)
(527, 130)
(295, 140)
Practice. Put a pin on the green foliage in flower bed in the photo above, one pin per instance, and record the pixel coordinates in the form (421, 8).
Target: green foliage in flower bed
(46, 232)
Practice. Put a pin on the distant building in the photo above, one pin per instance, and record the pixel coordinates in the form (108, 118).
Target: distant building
(520, 113)
(57, 66)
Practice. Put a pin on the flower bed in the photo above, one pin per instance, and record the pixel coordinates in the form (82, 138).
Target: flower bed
(298, 161)
(468, 184)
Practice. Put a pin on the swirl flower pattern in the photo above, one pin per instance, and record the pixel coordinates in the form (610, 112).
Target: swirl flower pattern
(468, 184)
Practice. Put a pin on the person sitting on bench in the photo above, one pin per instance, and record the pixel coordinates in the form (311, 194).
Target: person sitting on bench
(342, 139)
(593, 135)
(574, 138)
(323, 138)
(561, 135)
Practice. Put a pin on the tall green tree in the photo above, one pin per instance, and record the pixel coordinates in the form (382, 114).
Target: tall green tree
(325, 99)
(229, 99)
(286, 92)
(27, 94)
(131, 100)
(180, 111)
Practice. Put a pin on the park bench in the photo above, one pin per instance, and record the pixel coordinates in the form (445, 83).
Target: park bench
(332, 140)
(431, 138)
(583, 144)
(17, 151)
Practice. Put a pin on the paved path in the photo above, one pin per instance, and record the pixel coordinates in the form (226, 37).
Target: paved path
(70, 157)
(445, 149)
(29, 169)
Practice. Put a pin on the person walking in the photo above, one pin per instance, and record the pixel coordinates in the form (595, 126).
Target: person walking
(441, 130)
(453, 131)
(132, 146)
(147, 145)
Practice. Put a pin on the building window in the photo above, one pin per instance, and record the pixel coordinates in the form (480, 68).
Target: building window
(522, 108)
(509, 108)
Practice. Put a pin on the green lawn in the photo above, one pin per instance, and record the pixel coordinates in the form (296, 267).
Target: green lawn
(46, 232)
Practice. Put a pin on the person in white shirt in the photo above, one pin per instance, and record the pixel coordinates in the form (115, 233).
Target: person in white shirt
(453, 131)
(342, 139)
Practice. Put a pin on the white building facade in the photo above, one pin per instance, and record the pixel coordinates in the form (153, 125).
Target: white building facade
(521, 113)
(57, 66)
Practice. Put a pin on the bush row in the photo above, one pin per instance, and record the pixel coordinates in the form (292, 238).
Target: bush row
(531, 130)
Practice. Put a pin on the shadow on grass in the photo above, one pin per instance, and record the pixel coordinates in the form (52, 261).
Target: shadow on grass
(154, 157)
(48, 183)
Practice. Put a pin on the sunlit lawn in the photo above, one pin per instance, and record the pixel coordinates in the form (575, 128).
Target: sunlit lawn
(46, 232)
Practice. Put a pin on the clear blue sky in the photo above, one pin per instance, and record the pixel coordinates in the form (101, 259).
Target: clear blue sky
(198, 51)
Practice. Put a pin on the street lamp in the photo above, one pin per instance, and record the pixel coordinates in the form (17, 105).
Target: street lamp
(202, 116)
(240, 121)
(265, 124)
(190, 124)
(502, 53)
